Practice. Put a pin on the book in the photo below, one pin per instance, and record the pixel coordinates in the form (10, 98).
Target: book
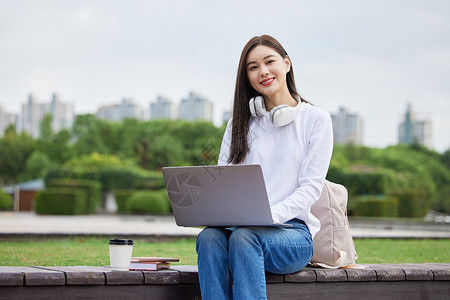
(153, 259)
(149, 266)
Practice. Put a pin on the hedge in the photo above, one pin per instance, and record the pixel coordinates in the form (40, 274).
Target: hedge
(375, 182)
(60, 201)
(441, 201)
(122, 197)
(111, 178)
(149, 201)
(375, 206)
(6, 201)
(150, 183)
(412, 203)
(91, 187)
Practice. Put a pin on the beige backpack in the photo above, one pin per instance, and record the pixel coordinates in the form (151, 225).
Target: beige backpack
(333, 244)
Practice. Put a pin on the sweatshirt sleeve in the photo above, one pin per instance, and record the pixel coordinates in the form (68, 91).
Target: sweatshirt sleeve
(312, 173)
(225, 147)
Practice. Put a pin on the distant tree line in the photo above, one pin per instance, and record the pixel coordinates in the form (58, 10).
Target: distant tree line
(402, 180)
(380, 177)
(149, 145)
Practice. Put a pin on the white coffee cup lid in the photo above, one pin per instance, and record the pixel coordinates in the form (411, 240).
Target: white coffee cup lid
(120, 242)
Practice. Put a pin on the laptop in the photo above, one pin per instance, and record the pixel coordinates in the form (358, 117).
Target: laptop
(218, 195)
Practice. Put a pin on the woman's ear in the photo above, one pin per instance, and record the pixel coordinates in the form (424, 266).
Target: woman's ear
(287, 62)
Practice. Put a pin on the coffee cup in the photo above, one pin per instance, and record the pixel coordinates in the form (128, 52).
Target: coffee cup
(120, 252)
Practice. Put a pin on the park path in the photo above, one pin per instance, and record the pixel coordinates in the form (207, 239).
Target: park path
(28, 223)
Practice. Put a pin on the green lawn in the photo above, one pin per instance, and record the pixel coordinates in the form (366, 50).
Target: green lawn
(402, 251)
(94, 251)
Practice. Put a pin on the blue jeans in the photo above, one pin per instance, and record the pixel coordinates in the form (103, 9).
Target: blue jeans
(232, 262)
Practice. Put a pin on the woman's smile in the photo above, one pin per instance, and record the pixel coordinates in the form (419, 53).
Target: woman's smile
(267, 81)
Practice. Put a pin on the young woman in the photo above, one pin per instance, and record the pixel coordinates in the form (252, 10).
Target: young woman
(292, 141)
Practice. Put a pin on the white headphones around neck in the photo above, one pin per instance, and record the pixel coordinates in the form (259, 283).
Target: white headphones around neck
(280, 115)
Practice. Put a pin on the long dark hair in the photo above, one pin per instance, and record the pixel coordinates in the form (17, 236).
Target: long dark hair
(244, 91)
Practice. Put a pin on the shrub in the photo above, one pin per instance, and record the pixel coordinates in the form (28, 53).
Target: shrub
(155, 182)
(408, 167)
(118, 178)
(111, 178)
(441, 202)
(6, 201)
(122, 197)
(91, 188)
(375, 206)
(364, 179)
(412, 203)
(149, 201)
(60, 201)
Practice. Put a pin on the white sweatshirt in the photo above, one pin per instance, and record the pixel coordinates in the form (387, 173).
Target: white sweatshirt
(294, 161)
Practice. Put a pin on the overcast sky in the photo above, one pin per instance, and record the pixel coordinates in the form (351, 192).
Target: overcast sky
(371, 57)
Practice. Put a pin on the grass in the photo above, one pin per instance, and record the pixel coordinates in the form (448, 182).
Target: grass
(373, 251)
(94, 251)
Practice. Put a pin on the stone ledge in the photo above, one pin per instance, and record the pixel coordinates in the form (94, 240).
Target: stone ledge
(377, 281)
(188, 274)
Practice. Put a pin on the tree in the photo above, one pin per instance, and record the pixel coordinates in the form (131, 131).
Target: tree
(164, 151)
(37, 166)
(445, 159)
(111, 135)
(55, 145)
(87, 135)
(153, 146)
(201, 140)
(14, 152)
(46, 131)
(411, 171)
(60, 149)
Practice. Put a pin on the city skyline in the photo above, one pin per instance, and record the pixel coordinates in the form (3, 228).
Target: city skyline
(122, 101)
(370, 57)
(348, 127)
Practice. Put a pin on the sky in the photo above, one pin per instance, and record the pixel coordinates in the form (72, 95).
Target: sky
(372, 57)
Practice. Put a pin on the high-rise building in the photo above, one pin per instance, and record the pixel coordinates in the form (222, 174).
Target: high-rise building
(163, 108)
(413, 131)
(6, 119)
(33, 112)
(347, 127)
(195, 107)
(127, 109)
(63, 115)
